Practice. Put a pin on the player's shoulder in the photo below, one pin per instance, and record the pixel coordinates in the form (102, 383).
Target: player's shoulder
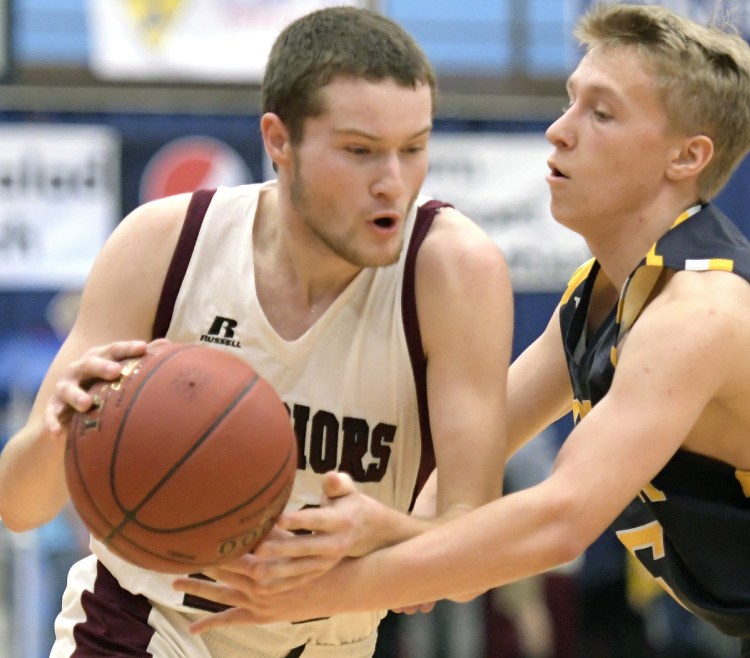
(456, 246)
(155, 216)
(148, 234)
(702, 318)
(452, 231)
(718, 294)
(697, 314)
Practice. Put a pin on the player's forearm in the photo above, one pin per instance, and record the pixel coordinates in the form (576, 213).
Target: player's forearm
(388, 526)
(32, 479)
(539, 388)
(509, 539)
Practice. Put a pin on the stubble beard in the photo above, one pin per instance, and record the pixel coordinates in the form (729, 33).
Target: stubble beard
(340, 246)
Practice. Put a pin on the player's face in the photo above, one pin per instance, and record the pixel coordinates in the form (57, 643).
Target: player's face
(360, 166)
(612, 145)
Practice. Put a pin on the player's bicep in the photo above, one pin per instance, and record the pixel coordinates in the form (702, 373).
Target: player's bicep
(123, 289)
(465, 310)
(539, 388)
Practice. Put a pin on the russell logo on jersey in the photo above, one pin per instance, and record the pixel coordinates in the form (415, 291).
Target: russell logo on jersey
(221, 332)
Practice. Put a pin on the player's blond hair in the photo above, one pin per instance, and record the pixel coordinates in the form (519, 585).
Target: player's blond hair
(703, 74)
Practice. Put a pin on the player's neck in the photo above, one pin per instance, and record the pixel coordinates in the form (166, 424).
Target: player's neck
(296, 279)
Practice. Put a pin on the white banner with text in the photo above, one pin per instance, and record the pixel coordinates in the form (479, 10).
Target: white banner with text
(498, 180)
(59, 201)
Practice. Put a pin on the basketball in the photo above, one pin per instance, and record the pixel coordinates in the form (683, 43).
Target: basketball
(184, 462)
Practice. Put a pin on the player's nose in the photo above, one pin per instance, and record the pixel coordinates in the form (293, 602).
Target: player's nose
(389, 179)
(560, 133)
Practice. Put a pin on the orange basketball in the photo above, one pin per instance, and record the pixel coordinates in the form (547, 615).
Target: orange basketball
(184, 462)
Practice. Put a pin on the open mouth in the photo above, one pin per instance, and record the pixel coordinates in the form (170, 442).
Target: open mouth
(554, 172)
(384, 222)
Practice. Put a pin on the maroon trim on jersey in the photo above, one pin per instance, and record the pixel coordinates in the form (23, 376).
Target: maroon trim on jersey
(423, 222)
(116, 621)
(183, 251)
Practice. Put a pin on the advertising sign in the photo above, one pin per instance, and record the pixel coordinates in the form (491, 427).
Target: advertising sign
(498, 180)
(59, 200)
(191, 163)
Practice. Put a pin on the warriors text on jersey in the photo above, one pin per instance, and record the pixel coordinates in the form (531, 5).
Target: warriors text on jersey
(690, 527)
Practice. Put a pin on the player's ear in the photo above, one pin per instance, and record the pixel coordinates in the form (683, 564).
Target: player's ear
(690, 157)
(276, 139)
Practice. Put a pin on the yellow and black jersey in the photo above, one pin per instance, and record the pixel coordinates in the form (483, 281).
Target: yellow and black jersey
(690, 527)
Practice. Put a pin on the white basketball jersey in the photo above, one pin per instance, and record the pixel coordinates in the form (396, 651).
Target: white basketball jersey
(348, 382)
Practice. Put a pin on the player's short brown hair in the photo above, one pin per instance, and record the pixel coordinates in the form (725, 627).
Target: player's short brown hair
(331, 43)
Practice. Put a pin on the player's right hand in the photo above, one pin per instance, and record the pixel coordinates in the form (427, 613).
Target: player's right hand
(102, 362)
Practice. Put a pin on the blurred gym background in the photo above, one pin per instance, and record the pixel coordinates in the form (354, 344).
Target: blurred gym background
(105, 104)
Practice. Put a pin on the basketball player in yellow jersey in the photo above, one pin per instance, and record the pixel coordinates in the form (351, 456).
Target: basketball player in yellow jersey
(650, 350)
(382, 318)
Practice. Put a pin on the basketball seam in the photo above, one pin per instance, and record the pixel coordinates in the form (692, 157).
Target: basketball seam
(272, 480)
(165, 557)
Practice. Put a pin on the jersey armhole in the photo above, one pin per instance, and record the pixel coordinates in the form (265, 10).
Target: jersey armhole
(425, 216)
(183, 251)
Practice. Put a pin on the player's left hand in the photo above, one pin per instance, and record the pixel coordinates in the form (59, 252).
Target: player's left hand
(308, 542)
(303, 545)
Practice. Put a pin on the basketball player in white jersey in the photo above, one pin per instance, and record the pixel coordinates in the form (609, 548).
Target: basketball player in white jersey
(382, 318)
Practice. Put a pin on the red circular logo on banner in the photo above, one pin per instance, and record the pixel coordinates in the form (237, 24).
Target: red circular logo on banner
(190, 163)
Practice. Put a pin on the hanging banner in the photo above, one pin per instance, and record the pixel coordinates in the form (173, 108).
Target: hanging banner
(498, 180)
(59, 200)
(207, 40)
